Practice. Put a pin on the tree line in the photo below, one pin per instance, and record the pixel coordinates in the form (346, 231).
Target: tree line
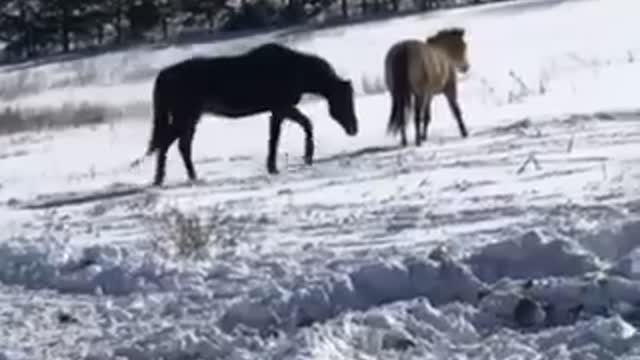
(31, 28)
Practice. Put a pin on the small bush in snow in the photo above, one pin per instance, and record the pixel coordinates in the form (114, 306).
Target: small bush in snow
(178, 233)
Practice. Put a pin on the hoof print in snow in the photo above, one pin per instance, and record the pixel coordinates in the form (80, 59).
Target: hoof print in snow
(628, 266)
(304, 321)
(439, 254)
(250, 315)
(602, 282)
(81, 265)
(576, 311)
(528, 313)
(271, 333)
(482, 294)
(397, 343)
(64, 318)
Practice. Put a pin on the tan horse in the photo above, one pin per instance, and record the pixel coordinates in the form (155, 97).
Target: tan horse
(423, 69)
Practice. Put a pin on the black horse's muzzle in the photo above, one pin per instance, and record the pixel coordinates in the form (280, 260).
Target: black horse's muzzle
(352, 128)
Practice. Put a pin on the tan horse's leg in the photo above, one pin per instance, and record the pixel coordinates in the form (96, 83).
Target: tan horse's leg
(451, 93)
(417, 116)
(398, 115)
(403, 131)
(426, 116)
(403, 137)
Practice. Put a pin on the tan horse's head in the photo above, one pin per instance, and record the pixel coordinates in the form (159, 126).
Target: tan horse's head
(452, 42)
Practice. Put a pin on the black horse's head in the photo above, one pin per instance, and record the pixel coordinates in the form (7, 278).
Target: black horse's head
(341, 107)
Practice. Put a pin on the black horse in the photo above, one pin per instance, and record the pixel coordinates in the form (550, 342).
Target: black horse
(270, 77)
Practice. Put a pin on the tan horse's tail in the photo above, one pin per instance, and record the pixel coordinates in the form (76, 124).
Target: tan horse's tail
(397, 77)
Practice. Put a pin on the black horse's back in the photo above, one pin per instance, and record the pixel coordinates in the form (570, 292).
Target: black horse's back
(264, 78)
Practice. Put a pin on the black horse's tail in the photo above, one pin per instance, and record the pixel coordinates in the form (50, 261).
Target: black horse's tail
(160, 120)
(398, 67)
(160, 116)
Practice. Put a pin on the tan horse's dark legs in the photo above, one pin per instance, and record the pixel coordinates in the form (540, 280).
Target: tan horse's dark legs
(398, 114)
(455, 109)
(451, 94)
(403, 137)
(426, 117)
(417, 118)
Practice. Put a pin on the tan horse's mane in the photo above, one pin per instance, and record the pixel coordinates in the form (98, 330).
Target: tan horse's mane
(445, 35)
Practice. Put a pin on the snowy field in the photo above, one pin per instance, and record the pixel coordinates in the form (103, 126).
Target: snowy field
(519, 242)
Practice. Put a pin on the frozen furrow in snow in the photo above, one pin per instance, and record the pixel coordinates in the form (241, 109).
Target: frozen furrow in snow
(386, 197)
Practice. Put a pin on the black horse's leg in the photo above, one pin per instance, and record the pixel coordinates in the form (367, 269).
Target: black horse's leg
(426, 117)
(184, 145)
(298, 117)
(168, 138)
(274, 137)
(450, 93)
(417, 117)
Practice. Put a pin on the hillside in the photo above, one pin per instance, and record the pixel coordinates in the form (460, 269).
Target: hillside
(518, 242)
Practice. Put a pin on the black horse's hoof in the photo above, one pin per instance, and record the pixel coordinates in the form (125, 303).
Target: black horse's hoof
(196, 182)
(308, 161)
(273, 171)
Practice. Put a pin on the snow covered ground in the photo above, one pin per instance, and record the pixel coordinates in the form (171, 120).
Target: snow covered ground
(519, 242)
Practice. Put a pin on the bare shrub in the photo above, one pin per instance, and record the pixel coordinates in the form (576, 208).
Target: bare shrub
(630, 57)
(175, 232)
(373, 86)
(14, 119)
(140, 74)
(85, 75)
(22, 83)
(522, 91)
